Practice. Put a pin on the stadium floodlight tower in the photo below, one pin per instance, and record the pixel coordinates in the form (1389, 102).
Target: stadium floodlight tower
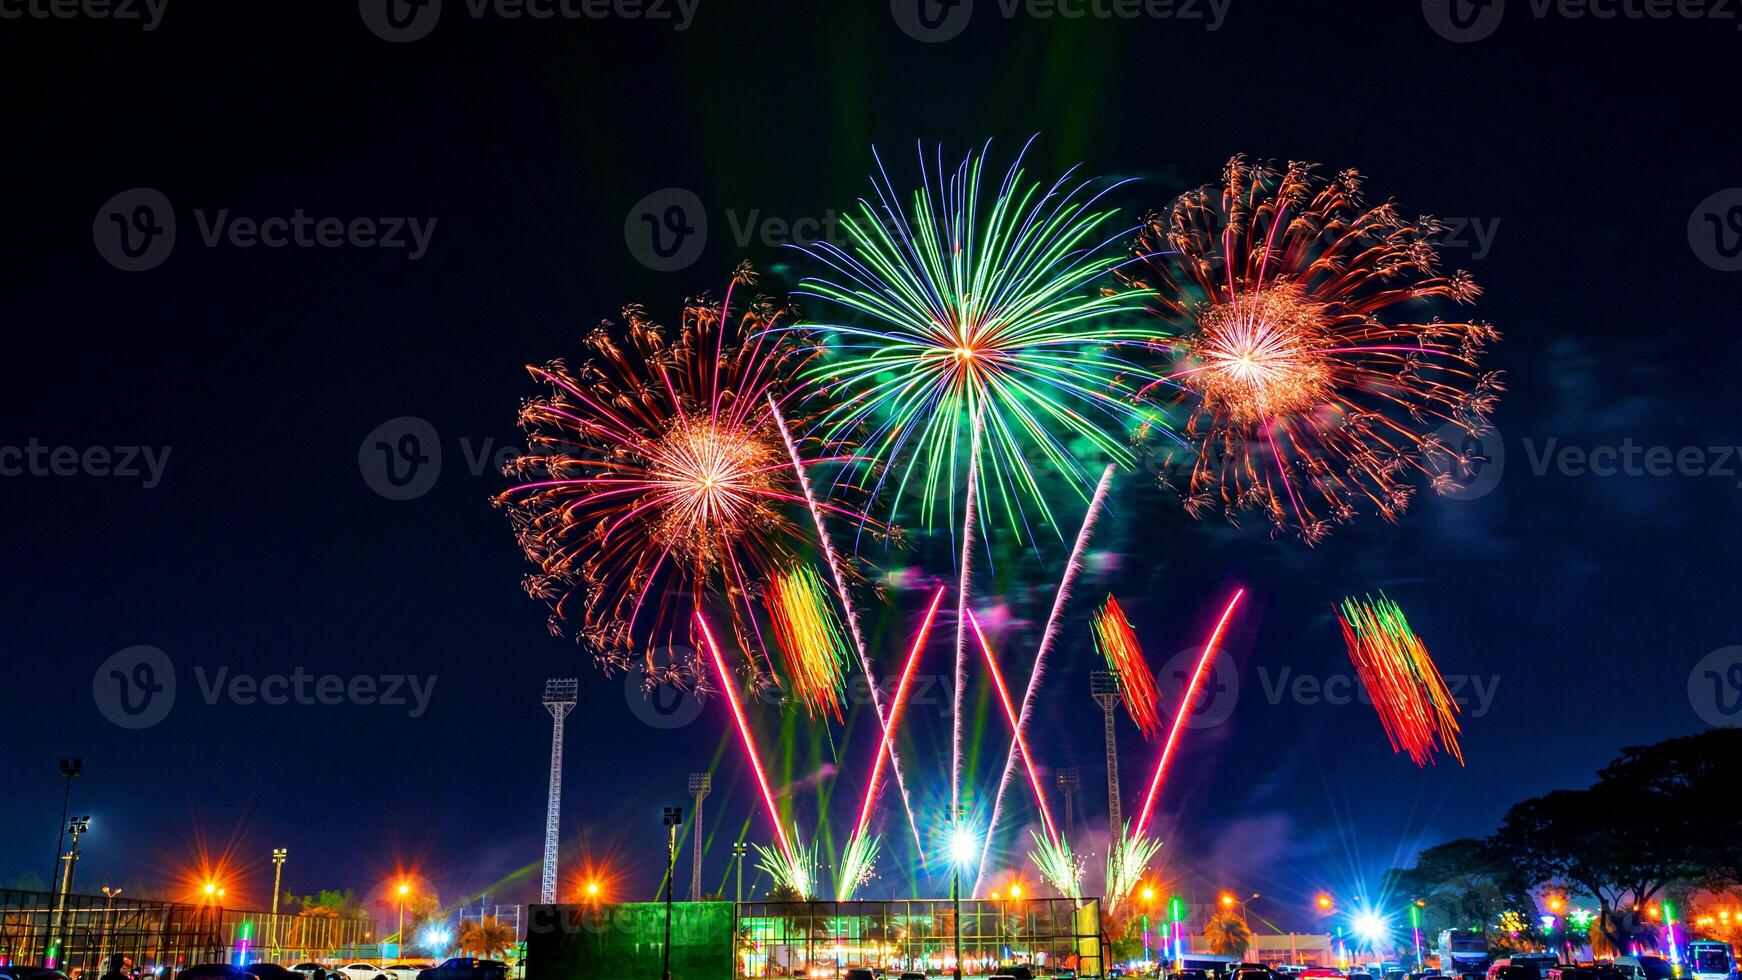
(559, 700)
(1068, 784)
(700, 784)
(1104, 688)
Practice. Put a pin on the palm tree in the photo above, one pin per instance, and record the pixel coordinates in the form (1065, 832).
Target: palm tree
(1228, 934)
(486, 938)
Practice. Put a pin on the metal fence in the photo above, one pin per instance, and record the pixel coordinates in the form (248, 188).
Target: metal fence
(818, 940)
(78, 933)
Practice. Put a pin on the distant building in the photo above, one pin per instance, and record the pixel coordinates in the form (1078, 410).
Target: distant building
(1300, 948)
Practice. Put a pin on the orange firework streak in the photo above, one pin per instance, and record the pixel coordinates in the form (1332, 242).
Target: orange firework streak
(1405, 686)
(887, 748)
(1117, 641)
(744, 732)
(807, 633)
(1185, 707)
(1021, 743)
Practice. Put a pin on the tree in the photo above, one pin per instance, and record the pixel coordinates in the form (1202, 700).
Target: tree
(1657, 815)
(1228, 934)
(1464, 884)
(487, 938)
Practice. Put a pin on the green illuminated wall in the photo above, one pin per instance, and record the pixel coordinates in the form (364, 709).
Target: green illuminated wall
(626, 941)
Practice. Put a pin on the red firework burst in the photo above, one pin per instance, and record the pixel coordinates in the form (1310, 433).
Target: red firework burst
(1413, 702)
(656, 476)
(1316, 388)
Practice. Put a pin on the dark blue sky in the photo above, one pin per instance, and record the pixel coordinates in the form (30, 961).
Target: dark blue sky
(1581, 146)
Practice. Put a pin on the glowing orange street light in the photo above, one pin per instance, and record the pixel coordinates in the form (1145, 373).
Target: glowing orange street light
(1015, 891)
(592, 889)
(1323, 902)
(1148, 893)
(1227, 900)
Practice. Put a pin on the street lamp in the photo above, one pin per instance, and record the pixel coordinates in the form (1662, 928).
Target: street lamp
(739, 849)
(963, 848)
(673, 820)
(399, 937)
(108, 905)
(70, 769)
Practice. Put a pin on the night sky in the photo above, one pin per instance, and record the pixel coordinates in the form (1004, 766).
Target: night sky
(1575, 151)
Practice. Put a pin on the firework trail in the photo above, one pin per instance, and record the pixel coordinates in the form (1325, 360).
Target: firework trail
(858, 864)
(731, 692)
(1117, 642)
(807, 633)
(1312, 393)
(654, 477)
(1015, 729)
(965, 575)
(972, 309)
(1405, 686)
(1073, 567)
(887, 748)
(1185, 710)
(850, 608)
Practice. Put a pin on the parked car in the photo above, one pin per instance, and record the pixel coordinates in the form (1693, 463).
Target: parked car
(272, 971)
(859, 973)
(214, 971)
(360, 971)
(403, 971)
(1643, 967)
(466, 968)
(30, 973)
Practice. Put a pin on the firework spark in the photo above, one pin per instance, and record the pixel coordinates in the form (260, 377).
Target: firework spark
(808, 634)
(795, 869)
(1405, 686)
(1117, 642)
(858, 865)
(1314, 393)
(1127, 863)
(1058, 867)
(887, 748)
(655, 476)
(1015, 728)
(973, 309)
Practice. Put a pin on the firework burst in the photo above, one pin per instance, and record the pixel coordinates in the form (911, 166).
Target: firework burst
(809, 636)
(1117, 642)
(1405, 686)
(974, 313)
(795, 869)
(1126, 864)
(858, 865)
(1314, 391)
(655, 477)
(1058, 867)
